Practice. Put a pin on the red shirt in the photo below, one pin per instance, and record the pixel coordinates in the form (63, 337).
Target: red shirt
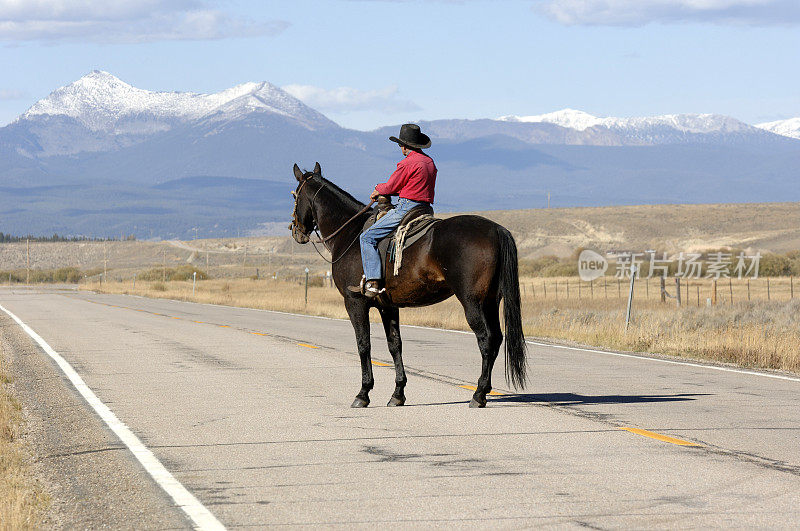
(413, 179)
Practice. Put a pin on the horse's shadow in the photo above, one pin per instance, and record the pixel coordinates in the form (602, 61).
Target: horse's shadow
(573, 399)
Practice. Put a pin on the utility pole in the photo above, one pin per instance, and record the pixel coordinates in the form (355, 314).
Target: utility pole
(105, 262)
(548, 199)
(27, 261)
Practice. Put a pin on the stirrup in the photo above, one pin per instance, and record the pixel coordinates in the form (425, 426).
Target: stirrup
(362, 288)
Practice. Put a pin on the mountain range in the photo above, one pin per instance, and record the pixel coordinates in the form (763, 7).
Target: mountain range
(99, 157)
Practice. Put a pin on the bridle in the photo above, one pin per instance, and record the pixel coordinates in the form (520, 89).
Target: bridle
(297, 226)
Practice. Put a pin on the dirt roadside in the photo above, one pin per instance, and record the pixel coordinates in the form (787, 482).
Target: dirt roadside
(92, 480)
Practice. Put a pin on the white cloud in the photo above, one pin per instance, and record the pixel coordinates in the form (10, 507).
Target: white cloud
(12, 94)
(346, 99)
(640, 12)
(123, 21)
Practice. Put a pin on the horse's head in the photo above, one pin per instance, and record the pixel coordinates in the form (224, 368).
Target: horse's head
(303, 221)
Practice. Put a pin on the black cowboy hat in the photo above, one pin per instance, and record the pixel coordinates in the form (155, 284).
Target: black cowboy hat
(412, 137)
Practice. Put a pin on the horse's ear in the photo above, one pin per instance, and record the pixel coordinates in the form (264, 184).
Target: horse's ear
(298, 173)
(317, 169)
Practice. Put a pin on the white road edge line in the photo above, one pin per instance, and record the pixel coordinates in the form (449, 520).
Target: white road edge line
(196, 511)
(528, 341)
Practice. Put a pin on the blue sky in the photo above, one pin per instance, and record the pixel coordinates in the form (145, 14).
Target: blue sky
(371, 63)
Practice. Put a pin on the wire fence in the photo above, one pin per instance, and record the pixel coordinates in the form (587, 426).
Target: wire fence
(697, 292)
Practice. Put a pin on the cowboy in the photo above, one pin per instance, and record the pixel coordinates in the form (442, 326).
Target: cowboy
(413, 181)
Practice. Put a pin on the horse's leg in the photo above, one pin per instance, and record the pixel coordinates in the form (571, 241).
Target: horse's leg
(391, 325)
(484, 319)
(358, 310)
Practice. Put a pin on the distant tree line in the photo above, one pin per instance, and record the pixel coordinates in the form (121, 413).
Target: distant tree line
(10, 238)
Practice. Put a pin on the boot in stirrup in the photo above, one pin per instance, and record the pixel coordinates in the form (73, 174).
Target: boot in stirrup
(368, 288)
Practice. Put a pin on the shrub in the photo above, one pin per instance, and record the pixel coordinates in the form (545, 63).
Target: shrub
(72, 275)
(774, 265)
(158, 286)
(183, 272)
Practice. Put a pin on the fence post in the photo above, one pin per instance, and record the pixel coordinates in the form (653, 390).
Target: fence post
(730, 288)
(768, 298)
(194, 281)
(579, 288)
(678, 291)
(630, 297)
(791, 287)
(619, 292)
(556, 289)
(663, 289)
(605, 287)
(714, 292)
(134, 281)
(544, 288)
(306, 286)
(647, 288)
(698, 295)
(591, 288)
(748, 290)
(568, 288)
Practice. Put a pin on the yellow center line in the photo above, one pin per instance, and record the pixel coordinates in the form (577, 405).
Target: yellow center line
(306, 345)
(381, 364)
(473, 388)
(659, 437)
(258, 334)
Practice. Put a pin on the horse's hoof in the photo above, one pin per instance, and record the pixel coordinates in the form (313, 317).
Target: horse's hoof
(360, 402)
(475, 403)
(394, 401)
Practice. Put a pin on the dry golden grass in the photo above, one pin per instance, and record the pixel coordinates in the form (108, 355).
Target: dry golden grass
(22, 501)
(756, 333)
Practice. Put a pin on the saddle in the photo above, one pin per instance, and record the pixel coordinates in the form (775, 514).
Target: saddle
(414, 225)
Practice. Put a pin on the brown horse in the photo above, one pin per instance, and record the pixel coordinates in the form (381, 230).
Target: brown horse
(470, 257)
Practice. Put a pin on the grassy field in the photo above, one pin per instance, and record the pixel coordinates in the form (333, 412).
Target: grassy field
(22, 501)
(759, 333)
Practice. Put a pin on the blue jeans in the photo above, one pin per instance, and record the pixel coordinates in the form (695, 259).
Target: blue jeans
(382, 228)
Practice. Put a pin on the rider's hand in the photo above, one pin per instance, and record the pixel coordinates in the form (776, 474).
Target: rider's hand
(374, 195)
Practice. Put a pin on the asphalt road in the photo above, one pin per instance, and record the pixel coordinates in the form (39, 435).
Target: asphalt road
(249, 410)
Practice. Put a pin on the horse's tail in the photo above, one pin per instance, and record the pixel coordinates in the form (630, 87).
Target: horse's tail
(509, 292)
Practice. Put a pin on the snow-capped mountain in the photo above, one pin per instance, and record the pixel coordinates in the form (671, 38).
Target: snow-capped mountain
(665, 129)
(99, 112)
(790, 127)
(102, 102)
(569, 118)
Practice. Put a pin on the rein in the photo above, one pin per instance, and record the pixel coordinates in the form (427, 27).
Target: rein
(324, 240)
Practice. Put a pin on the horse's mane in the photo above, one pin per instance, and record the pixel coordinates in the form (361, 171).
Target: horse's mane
(340, 194)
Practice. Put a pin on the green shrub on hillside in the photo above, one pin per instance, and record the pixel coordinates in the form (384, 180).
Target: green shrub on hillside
(183, 272)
